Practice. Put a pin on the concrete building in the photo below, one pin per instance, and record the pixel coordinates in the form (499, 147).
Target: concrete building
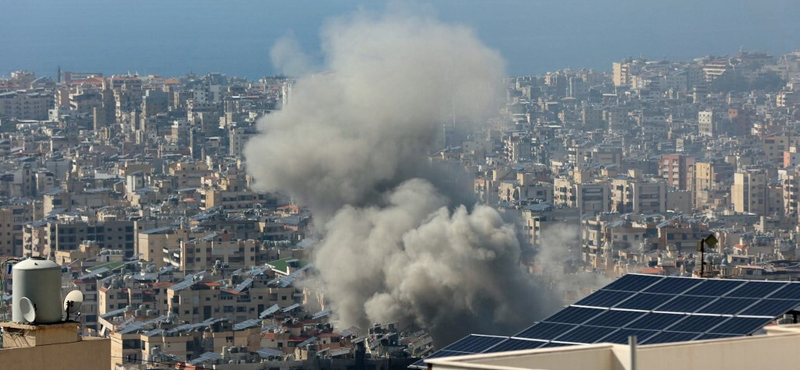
(47, 238)
(55, 346)
(203, 253)
(26, 104)
(678, 170)
(749, 192)
(589, 197)
(710, 176)
(709, 123)
(623, 71)
(638, 195)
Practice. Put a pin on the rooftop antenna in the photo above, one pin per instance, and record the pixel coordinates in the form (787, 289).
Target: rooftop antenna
(27, 309)
(72, 303)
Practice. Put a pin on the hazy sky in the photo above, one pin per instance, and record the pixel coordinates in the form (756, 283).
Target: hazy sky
(234, 37)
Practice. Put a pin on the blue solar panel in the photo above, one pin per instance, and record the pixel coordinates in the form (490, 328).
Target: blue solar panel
(728, 306)
(697, 323)
(790, 291)
(446, 353)
(714, 288)
(687, 304)
(512, 344)
(741, 325)
(633, 283)
(474, 344)
(615, 319)
(715, 336)
(586, 334)
(604, 298)
(545, 330)
(655, 321)
(673, 286)
(756, 289)
(668, 337)
(656, 309)
(645, 301)
(555, 344)
(621, 336)
(770, 307)
(574, 315)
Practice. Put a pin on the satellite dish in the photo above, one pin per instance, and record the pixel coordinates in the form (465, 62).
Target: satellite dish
(27, 309)
(73, 302)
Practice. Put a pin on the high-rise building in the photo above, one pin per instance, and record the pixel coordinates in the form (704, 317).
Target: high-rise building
(708, 123)
(678, 170)
(749, 192)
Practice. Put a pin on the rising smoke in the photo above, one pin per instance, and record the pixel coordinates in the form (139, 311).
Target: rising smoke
(287, 56)
(352, 144)
(558, 256)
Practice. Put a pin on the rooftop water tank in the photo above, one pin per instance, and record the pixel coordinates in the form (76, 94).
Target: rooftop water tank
(38, 280)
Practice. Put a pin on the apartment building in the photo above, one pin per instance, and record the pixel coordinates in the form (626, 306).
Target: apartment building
(749, 192)
(678, 170)
(638, 195)
(26, 104)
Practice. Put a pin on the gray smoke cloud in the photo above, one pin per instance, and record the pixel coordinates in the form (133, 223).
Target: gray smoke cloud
(288, 57)
(557, 254)
(352, 145)
(365, 126)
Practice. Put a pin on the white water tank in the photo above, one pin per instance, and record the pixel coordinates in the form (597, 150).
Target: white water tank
(39, 280)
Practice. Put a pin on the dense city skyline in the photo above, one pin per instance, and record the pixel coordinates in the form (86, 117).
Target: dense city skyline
(398, 186)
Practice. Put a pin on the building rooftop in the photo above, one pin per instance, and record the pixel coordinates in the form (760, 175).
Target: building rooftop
(655, 309)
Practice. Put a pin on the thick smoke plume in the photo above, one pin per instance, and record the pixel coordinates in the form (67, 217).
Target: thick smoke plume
(352, 144)
(287, 56)
(558, 255)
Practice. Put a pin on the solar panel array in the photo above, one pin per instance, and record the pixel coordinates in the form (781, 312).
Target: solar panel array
(655, 309)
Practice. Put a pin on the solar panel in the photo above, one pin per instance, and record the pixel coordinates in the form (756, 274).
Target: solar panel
(615, 319)
(586, 334)
(474, 344)
(269, 311)
(446, 353)
(604, 298)
(645, 301)
(512, 344)
(621, 336)
(655, 309)
(243, 285)
(545, 330)
(574, 315)
(727, 306)
(686, 304)
(697, 323)
(741, 325)
(633, 283)
(673, 286)
(790, 291)
(669, 336)
(714, 288)
(771, 307)
(715, 336)
(655, 321)
(756, 289)
(251, 323)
